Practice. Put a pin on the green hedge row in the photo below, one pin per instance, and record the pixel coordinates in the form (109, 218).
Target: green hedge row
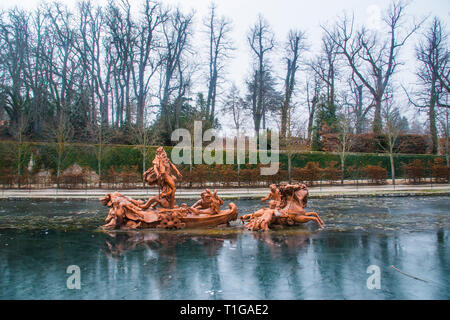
(45, 157)
(359, 160)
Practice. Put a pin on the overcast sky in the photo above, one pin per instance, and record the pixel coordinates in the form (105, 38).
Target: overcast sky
(284, 15)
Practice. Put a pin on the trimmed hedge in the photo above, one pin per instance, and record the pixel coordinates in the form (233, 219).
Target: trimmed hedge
(371, 143)
(359, 160)
(119, 156)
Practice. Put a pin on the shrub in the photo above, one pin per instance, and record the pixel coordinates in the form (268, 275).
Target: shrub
(415, 170)
(355, 172)
(281, 175)
(130, 176)
(7, 176)
(187, 179)
(411, 143)
(112, 177)
(311, 172)
(332, 172)
(365, 142)
(441, 148)
(440, 170)
(330, 142)
(73, 176)
(376, 174)
(222, 174)
(249, 175)
(200, 174)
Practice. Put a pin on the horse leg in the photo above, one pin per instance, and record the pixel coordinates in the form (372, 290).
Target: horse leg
(315, 214)
(304, 219)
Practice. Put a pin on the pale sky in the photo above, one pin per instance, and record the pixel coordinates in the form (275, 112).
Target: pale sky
(284, 15)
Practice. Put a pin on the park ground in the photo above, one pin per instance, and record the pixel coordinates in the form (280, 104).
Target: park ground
(317, 191)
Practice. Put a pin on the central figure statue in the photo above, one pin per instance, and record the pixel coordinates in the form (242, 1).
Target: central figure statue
(127, 213)
(161, 174)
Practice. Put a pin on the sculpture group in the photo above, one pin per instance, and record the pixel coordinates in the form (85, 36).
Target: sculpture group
(286, 205)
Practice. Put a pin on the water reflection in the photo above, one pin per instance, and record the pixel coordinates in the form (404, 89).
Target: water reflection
(119, 242)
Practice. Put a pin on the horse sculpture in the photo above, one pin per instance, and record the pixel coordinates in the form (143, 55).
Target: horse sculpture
(285, 208)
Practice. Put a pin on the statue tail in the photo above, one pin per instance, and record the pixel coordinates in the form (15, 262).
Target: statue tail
(233, 210)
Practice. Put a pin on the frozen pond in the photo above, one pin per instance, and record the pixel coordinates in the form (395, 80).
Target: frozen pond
(40, 239)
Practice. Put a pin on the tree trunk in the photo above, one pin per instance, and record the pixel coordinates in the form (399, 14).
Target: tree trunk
(311, 119)
(446, 139)
(239, 173)
(19, 161)
(284, 111)
(99, 173)
(359, 116)
(391, 156)
(432, 119)
(143, 166)
(376, 125)
(58, 170)
(100, 167)
(289, 167)
(140, 112)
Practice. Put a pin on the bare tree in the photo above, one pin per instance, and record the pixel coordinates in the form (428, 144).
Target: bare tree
(60, 132)
(121, 31)
(144, 138)
(14, 44)
(359, 111)
(97, 68)
(373, 60)
(261, 40)
(325, 68)
(183, 82)
(442, 117)
(344, 138)
(295, 141)
(100, 132)
(219, 29)
(62, 60)
(444, 72)
(234, 104)
(20, 128)
(311, 103)
(176, 33)
(35, 70)
(294, 47)
(393, 127)
(433, 55)
(355, 100)
(147, 58)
